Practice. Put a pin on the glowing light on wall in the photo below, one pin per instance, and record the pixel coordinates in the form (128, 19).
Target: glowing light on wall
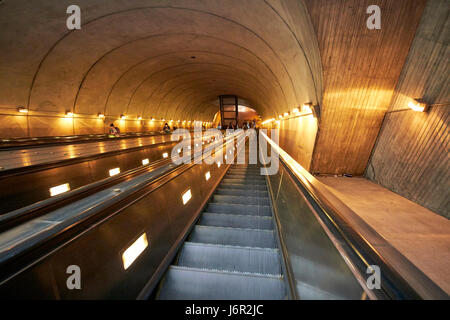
(114, 172)
(145, 162)
(208, 176)
(101, 115)
(69, 114)
(165, 155)
(187, 196)
(59, 189)
(134, 251)
(22, 110)
(417, 106)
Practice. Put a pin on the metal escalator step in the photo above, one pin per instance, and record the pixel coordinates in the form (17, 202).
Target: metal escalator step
(243, 181)
(230, 258)
(255, 170)
(242, 187)
(197, 284)
(234, 175)
(240, 209)
(235, 221)
(261, 201)
(234, 236)
(242, 192)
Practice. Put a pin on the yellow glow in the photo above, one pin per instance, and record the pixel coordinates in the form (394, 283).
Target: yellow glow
(165, 155)
(114, 172)
(59, 189)
(286, 114)
(139, 118)
(280, 116)
(145, 162)
(101, 115)
(218, 164)
(22, 110)
(69, 114)
(123, 117)
(207, 175)
(295, 110)
(187, 196)
(419, 107)
(134, 251)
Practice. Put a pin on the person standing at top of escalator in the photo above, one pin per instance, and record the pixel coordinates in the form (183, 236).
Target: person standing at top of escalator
(113, 130)
(166, 128)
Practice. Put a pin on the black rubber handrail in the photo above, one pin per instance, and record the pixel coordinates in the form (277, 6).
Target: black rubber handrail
(42, 142)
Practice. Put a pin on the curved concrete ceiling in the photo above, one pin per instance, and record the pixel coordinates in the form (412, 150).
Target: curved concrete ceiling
(162, 59)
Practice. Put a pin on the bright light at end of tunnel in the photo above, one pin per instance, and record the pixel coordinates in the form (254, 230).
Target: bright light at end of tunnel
(114, 172)
(59, 189)
(145, 162)
(207, 175)
(187, 196)
(134, 251)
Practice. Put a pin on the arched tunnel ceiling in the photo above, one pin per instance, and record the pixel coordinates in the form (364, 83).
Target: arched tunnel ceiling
(135, 57)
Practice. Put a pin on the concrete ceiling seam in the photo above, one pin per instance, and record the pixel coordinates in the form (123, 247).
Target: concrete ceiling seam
(130, 42)
(187, 51)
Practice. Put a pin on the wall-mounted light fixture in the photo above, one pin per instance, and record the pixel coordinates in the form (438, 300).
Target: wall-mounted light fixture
(101, 115)
(139, 118)
(22, 110)
(418, 105)
(69, 114)
(123, 117)
(295, 111)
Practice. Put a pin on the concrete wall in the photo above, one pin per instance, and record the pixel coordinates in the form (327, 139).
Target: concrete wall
(360, 70)
(411, 153)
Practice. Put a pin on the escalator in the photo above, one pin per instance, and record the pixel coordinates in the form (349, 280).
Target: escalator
(232, 252)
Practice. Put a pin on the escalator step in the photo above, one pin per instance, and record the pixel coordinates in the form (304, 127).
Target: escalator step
(235, 221)
(234, 236)
(239, 209)
(245, 177)
(243, 181)
(195, 284)
(241, 192)
(261, 201)
(230, 258)
(242, 187)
